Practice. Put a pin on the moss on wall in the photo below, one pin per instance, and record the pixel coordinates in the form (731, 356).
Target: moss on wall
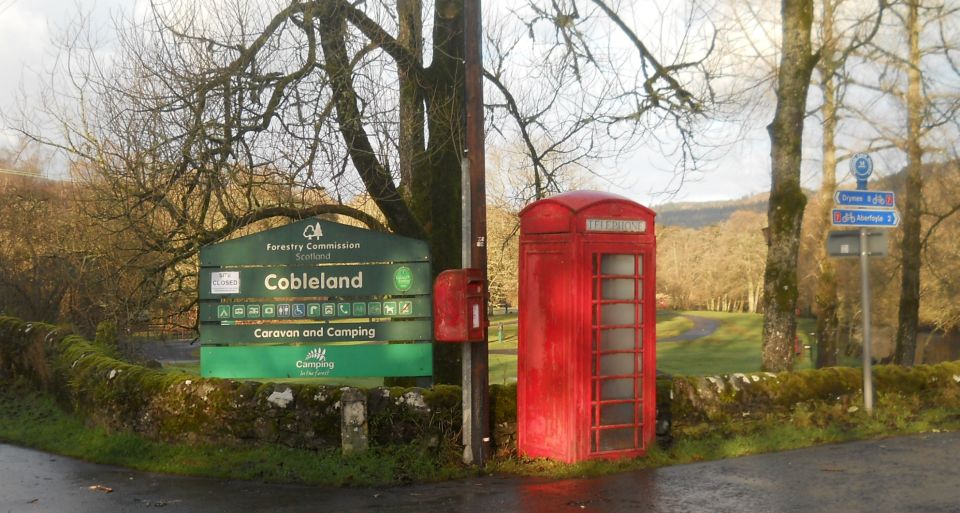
(119, 395)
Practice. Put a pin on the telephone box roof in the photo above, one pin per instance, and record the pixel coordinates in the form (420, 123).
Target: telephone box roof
(577, 201)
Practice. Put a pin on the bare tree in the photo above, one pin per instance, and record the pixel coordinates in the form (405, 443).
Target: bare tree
(909, 311)
(214, 117)
(591, 102)
(841, 35)
(912, 63)
(787, 199)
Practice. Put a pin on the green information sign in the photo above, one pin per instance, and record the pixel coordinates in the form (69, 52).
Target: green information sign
(268, 299)
(315, 332)
(312, 361)
(313, 242)
(316, 281)
(416, 307)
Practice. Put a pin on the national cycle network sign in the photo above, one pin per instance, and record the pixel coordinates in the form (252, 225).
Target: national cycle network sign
(316, 298)
(863, 208)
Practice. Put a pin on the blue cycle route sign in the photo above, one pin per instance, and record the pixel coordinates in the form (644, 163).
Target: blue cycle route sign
(865, 199)
(865, 218)
(861, 165)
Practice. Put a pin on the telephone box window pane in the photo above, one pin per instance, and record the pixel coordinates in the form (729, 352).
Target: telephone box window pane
(618, 313)
(618, 289)
(614, 389)
(620, 339)
(613, 414)
(618, 264)
(617, 364)
(616, 439)
(640, 265)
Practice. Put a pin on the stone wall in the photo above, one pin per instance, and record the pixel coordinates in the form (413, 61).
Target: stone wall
(177, 407)
(737, 396)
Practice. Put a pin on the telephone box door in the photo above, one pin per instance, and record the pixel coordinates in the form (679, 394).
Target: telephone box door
(622, 404)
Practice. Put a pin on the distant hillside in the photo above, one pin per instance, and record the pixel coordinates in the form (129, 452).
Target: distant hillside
(707, 213)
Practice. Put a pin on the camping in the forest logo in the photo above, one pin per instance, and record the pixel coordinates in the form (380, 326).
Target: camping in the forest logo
(315, 363)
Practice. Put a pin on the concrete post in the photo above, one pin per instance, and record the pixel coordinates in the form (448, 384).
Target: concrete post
(354, 432)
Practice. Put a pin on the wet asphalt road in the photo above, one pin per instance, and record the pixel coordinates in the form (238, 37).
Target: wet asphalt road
(910, 474)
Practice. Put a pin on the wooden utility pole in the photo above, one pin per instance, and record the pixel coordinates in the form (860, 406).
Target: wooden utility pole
(476, 411)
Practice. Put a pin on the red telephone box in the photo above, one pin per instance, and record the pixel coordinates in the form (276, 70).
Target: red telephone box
(586, 364)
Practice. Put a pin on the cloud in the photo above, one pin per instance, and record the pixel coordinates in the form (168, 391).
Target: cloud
(23, 37)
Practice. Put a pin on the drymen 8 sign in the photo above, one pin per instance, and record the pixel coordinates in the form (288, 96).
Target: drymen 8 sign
(273, 295)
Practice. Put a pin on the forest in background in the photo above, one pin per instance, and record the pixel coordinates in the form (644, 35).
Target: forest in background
(59, 264)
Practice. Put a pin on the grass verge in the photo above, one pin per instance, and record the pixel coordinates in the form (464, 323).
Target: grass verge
(802, 429)
(34, 420)
(31, 419)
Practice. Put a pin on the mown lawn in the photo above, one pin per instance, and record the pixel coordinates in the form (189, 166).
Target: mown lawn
(733, 347)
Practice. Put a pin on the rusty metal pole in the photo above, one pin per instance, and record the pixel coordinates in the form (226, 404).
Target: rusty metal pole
(475, 371)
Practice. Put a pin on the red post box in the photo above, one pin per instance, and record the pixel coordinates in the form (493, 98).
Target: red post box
(586, 364)
(459, 313)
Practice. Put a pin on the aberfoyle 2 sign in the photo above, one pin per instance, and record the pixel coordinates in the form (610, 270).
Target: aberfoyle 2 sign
(268, 299)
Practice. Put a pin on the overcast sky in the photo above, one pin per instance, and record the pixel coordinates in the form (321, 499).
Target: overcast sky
(27, 27)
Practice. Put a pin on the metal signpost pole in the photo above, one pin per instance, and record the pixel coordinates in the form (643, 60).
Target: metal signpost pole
(865, 299)
(862, 167)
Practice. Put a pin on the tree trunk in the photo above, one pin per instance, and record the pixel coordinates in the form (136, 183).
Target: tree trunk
(432, 208)
(438, 192)
(909, 311)
(827, 299)
(787, 200)
(411, 138)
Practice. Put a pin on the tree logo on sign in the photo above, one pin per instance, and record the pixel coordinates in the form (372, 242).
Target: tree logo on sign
(313, 232)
